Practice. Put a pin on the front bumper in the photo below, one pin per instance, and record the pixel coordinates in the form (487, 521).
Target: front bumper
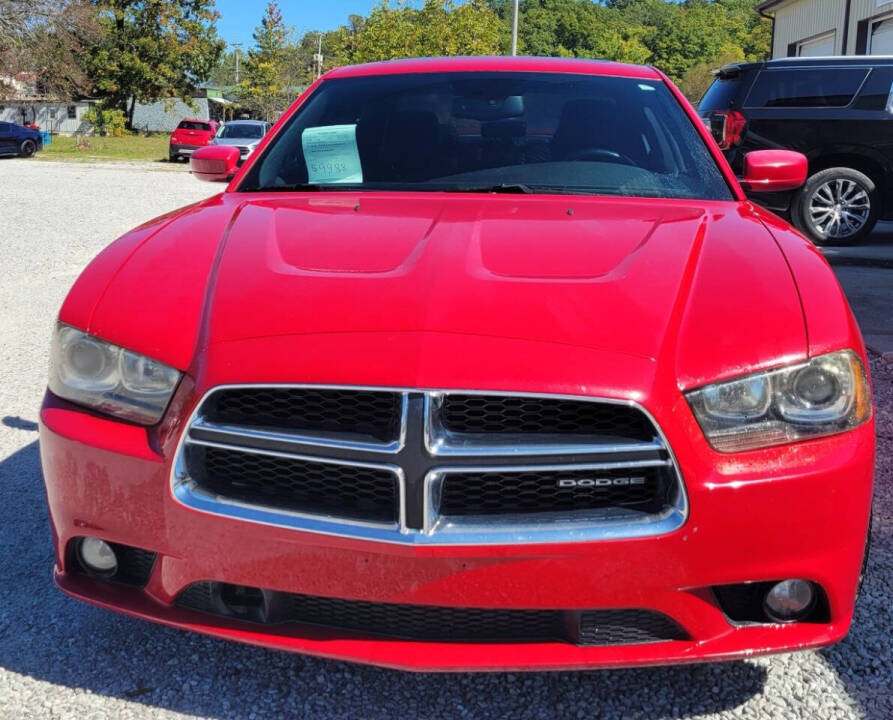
(800, 511)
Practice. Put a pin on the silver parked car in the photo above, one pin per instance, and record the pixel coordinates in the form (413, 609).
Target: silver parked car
(243, 134)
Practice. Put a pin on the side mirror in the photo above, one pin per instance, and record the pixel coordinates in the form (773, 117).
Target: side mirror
(215, 163)
(773, 171)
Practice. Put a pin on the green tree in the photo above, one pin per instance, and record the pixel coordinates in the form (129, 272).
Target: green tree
(579, 28)
(439, 27)
(224, 74)
(681, 37)
(271, 73)
(152, 49)
(47, 38)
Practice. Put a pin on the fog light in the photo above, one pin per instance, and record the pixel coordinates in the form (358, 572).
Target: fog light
(97, 556)
(789, 600)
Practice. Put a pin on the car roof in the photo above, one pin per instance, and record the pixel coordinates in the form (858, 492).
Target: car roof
(246, 122)
(196, 120)
(496, 64)
(807, 62)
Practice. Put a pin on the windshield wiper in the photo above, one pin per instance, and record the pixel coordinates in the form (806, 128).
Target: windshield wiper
(519, 188)
(301, 187)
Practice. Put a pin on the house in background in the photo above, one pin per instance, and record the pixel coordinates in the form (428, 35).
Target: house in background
(59, 118)
(809, 28)
(164, 116)
(21, 102)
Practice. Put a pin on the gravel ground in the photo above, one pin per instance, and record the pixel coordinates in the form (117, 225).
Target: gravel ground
(63, 659)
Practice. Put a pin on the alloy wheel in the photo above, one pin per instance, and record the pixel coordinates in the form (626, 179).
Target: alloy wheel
(839, 208)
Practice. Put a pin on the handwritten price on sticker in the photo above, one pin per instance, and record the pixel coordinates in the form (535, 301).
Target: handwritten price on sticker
(329, 169)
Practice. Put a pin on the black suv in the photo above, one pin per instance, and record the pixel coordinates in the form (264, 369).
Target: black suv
(836, 111)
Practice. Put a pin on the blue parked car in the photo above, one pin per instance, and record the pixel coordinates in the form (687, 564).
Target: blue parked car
(18, 140)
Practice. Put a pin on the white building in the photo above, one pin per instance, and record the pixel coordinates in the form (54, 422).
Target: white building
(830, 27)
(64, 118)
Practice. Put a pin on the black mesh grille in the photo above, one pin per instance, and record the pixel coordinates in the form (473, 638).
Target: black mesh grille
(490, 493)
(627, 627)
(440, 623)
(198, 596)
(423, 622)
(533, 415)
(343, 490)
(359, 412)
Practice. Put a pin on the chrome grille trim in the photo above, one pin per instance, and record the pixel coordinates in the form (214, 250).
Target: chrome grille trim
(185, 488)
(543, 455)
(295, 440)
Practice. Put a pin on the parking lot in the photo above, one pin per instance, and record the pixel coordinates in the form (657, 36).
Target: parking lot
(63, 659)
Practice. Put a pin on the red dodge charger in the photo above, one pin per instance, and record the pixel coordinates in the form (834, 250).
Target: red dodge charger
(477, 363)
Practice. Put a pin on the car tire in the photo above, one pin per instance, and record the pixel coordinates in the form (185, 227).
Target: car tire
(837, 206)
(27, 148)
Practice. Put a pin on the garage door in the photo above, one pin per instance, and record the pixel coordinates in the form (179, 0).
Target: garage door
(882, 38)
(817, 47)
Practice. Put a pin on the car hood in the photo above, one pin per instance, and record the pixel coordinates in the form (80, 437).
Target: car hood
(240, 142)
(699, 289)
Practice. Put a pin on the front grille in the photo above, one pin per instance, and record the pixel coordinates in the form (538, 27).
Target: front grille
(526, 415)
(493, 493)
(627, 627)
(422, 465)
(432, 623)
(373, 414)
(349, 491)
(423, 622)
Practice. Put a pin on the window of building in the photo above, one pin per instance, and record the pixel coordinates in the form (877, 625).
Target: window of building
(805, 87)
(72, 112)
(820, 46)
(880, 40)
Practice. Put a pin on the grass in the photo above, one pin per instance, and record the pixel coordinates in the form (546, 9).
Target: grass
(130, 147)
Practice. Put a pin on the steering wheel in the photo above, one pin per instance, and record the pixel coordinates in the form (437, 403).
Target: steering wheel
(601, 154)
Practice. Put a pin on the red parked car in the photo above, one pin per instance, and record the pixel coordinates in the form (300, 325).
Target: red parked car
(548, 392)
(189, 135)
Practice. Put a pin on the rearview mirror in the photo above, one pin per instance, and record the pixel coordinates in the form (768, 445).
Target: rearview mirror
(773, 171)
(215, 163)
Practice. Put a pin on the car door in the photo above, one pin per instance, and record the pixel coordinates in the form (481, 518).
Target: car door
(872, 125)
(803, 108)
(7, 141)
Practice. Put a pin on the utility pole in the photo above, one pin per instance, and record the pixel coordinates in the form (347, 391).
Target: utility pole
(318, 57)
(515, 28)
(237, 45)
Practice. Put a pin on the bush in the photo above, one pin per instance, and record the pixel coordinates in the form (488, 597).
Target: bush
(700, 77)
(106, 122)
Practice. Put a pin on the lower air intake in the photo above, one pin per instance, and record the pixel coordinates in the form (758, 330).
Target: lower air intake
(432, 623)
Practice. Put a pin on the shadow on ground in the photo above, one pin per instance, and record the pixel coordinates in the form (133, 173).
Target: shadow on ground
(48, 636)
(864, 660)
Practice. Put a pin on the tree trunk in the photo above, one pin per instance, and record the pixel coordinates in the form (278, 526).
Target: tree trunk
(130, 113)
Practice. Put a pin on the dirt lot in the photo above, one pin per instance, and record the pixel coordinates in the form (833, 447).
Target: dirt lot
(63, 659)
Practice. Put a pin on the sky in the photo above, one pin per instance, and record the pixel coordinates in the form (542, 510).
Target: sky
(239, 17)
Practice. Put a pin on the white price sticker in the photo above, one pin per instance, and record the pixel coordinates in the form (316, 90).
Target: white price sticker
(331, 154)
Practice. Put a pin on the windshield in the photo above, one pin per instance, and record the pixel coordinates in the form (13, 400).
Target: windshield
(233, 130)
(500, 132)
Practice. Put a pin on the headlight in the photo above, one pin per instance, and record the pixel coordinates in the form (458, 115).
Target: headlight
(827, 395)
(92, 372)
